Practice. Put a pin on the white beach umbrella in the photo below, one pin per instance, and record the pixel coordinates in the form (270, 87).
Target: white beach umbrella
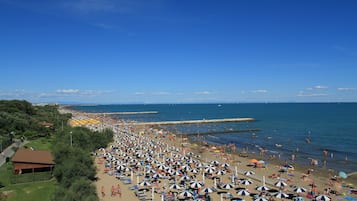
(196, 185)
(145, 184)
(243, 192)
(299, 190)
(221, 172)
(280, 184)
(262, 188)
(175, 187)
(248, 173)
(185, 194)
(210, 170)
(225, 165)
(323, 198)
(185, 168)
(227, 186)
(215, 162)
(194, 170)
(161, 167)
(261, 199)
(281, 195)
(185, 178)
(150, 171)
(121, 167)
(157, 176)
(246, 182)
(207, 190)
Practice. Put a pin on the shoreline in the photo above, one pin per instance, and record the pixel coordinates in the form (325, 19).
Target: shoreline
(320, 176)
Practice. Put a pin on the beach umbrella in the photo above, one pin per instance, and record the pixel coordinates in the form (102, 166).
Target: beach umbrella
(185, 178)
(210, 170)
(323, 198)
(281, 195)
(196, 185)
(215, 162)
(207, 190)
(248, 173)
(161, 167)
(280, 184)
(175, 187)
(225, 165)
(246, 182)
(185, 168)
(221, 172)
(121, 167)
(194, 170)
(150, 171)
(262, 188)
(261, 199)
(185, 194)
(227, 186)
(145, 184)
(299, 190)
(156, 176)
(343, 175)
(243, 192)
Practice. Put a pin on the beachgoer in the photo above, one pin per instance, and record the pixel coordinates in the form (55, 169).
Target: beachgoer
(331, 155)
(113, 191)
(293, 157)
(118, 190)
(103, 191)
(325, 153)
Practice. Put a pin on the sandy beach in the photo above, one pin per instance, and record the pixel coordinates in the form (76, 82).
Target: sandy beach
(144, 154)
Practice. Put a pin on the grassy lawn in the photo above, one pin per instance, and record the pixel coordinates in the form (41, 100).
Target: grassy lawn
(43, 143)
(33, 191)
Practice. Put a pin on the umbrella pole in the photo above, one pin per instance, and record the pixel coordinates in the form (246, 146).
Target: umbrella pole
(236, 169)
(263, 180)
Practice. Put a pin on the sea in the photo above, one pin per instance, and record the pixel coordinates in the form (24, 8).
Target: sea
(326, 132)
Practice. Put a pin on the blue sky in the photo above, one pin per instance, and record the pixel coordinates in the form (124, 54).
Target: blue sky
(165, 51)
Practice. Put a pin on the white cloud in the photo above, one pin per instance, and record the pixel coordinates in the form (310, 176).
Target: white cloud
(139, 93)
(347, 89)
(320, 87)
(161, 93)
(302, 94)
(67, 91)
(260, 91)
(203, 92)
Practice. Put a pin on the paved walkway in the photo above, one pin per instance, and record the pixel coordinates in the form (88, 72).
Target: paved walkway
(9, 151)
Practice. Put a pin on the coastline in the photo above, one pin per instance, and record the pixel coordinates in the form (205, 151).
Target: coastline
(320, 176)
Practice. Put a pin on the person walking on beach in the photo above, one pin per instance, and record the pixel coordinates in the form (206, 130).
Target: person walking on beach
(103, 191)
(118, 190)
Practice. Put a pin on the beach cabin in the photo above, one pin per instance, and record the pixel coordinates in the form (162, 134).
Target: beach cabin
(30, 161)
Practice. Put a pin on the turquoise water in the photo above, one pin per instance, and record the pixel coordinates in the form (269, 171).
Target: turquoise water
(331, 126)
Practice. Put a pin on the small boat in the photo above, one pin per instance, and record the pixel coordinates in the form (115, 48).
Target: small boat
(269, 137)
(278, 145)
